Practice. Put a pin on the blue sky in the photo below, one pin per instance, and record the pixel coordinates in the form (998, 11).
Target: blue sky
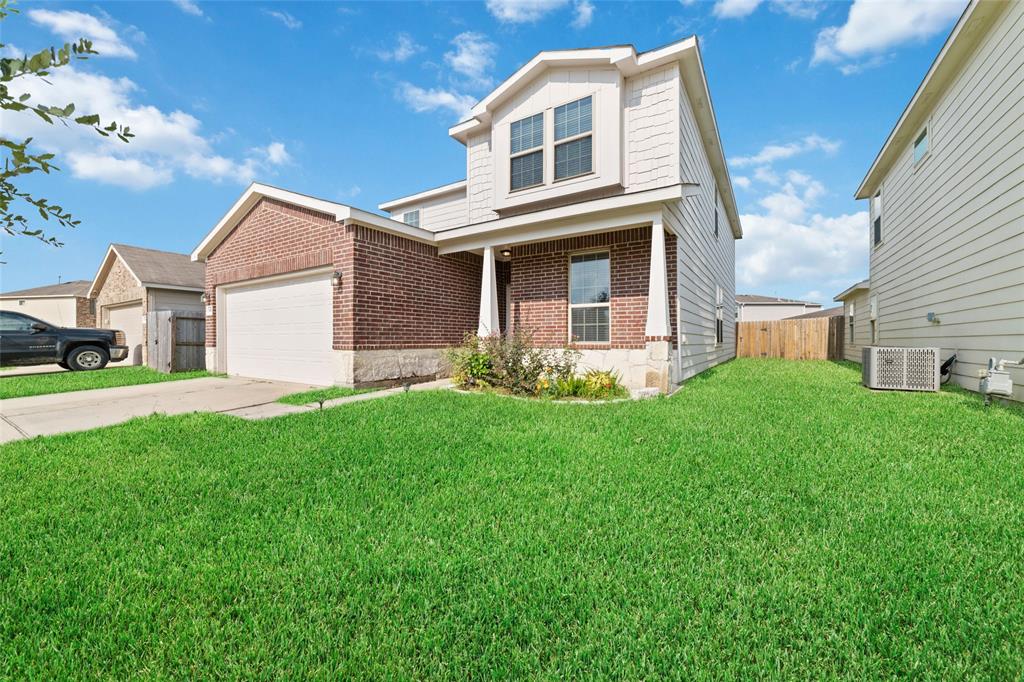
(352, 102)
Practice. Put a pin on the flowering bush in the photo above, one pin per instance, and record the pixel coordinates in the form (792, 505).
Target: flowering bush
(594, 385)
(509, 362)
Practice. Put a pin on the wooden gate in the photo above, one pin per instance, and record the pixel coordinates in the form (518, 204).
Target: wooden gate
(177, 341)
(816, 338)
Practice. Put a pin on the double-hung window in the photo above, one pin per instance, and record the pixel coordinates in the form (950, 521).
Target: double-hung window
(412, 218)
(527, 147)
(574, 124)
(590, 295)
(849, 313)
(876, 218)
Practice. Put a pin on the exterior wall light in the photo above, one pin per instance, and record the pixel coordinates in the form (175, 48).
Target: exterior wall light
(202, 299)
(507, 253)
(336, 278)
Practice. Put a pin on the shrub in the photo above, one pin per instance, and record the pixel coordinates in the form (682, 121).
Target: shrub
(594, 385)
(510, 362)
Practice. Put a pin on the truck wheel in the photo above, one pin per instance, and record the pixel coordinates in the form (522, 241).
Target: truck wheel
(86, 358)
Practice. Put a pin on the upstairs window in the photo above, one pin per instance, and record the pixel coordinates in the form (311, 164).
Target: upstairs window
(876, 218)
(716, 213)
(590, 298)
(921, 145)
(412, 218)
(527, 165)
(574, 124)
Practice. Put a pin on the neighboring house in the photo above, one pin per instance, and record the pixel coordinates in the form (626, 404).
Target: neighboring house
(858, 323)
(597, 208)
(133, 281)
(66, 304)
(946, 196)
(824, 312)
(754, 308)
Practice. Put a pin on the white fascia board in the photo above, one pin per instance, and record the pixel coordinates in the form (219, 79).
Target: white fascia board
(859, 286)
(968, 32)
(8, 297)
(450, 188)
(559, 221)
(172, 287)
(361, 217)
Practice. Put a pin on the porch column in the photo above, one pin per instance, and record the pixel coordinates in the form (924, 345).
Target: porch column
(657, 328)
(489, 323)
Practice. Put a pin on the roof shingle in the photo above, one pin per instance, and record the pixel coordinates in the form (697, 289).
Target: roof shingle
(77, 287)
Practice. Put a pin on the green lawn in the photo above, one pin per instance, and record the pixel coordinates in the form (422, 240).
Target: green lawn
(316, 395)
(772, 519)
(61, 382)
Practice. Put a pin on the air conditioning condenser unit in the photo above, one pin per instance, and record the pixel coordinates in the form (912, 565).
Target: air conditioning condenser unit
(901, 369)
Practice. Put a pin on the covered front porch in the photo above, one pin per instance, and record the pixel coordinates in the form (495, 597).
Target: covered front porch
(601, 276)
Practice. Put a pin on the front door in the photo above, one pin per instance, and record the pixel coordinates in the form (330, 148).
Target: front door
(25, 340)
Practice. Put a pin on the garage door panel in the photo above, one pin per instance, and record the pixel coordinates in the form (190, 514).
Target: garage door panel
(281, 330)
(128, 319)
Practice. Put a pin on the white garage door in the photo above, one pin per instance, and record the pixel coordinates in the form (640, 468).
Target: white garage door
(128, 318)
(280, 330)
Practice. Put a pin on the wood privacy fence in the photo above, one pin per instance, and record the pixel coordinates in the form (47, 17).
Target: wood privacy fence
(816, 338)
(177, 341)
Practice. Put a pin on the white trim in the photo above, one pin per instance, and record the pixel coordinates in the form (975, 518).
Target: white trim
(341, 212)
(423, 196)
(968, 33)
(104, 270)
(657, 285)
(8, 297)
(172, 287)
(572, 306)
(859, 286)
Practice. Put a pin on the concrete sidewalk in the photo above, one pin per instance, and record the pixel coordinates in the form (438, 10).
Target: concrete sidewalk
(45, 415)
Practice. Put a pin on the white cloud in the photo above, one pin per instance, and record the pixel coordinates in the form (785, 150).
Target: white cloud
(799, 9)
(472, 57)
(584, 14)
(775, 152)
(734, 9)
(350, 193)
(189, 7)
(70, 26)
(130, 173)
(741, 181)
(285, 18)
(766, 175)
(875, 26)
(404, 48)
(422, 100)
(165, 142)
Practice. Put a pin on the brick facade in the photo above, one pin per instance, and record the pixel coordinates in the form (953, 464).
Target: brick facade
(540, 285)
(119, 287)
(394, 292)
(84, 312)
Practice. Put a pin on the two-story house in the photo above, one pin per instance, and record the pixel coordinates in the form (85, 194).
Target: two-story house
(597, 210)
(946, 203)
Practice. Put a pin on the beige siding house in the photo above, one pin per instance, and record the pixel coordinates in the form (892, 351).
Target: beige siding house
(132, 281)
(946, 197)
(756, 308)
(857, 327)
(66, 304)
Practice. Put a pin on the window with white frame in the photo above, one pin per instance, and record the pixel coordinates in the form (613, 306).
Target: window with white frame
(574, 124)
(719, 316)
(849, 315)
(921, 145)
(876, 218)
(590, 295)
(716, 213)
(527, 150)
(412, 218)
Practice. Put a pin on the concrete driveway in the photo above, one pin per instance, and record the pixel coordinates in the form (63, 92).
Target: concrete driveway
(45, 415)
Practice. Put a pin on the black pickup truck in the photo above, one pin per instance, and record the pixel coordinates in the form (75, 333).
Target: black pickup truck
(25, 340)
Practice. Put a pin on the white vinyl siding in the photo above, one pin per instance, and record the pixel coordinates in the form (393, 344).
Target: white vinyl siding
(954, 229)
(438, 213)
(652, 129)
(857, 303)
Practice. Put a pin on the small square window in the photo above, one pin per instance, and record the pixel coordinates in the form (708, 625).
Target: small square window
(921, 145)
(412, 218)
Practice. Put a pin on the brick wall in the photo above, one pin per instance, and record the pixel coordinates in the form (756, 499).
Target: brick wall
(408, 296)
(540, 285)
(120, 286)
(84, 315)
(395, 292)
(274, 238)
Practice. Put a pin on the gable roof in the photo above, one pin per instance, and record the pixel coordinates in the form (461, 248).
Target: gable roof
(152, 268)
(837, 311)
(77, 287)
(859, 286)
(629, 62)
(341, 212)
(770, 300)
(433, 193)
(968, 33)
